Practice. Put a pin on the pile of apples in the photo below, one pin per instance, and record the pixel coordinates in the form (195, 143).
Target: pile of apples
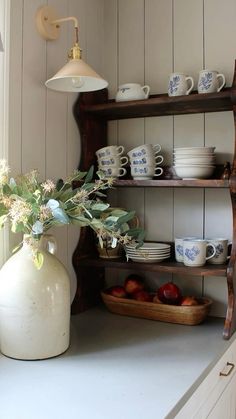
(134, 288)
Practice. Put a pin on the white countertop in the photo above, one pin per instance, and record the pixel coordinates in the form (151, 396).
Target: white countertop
(116, 368)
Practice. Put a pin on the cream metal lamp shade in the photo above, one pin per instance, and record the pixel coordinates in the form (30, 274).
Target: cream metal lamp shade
(76, 75)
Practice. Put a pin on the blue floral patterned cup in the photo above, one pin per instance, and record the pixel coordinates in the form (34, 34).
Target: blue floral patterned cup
(180, 84)
(195, 252)
(209, 81)
(221, 254)
(179, 251)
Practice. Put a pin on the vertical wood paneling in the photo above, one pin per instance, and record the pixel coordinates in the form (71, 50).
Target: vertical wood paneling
(131, 69)
(220, 31)
(220, 52)
(94, 34)
(188, 37)
(33, 94)
(158, 65)
(74, 8)
(15, 97)
(158, 44)
(43, 133)
(15, 86)
(4, 107)
(56, 121)
(110, 45)
(127, 41)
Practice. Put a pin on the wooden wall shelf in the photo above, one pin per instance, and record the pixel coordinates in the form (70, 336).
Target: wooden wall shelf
(173, 183)
(167, 267)
(92, 111)
(159, 105)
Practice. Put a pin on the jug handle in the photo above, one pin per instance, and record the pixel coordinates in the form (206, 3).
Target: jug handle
(50, 243)
(146, 90)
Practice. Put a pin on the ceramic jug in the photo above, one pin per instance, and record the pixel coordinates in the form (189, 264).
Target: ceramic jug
(34, 304)
(132, 91)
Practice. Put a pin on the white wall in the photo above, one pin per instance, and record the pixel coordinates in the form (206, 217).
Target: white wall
(42, 130)
(145, 40)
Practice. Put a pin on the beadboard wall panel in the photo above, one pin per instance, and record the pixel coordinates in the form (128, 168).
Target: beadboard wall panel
(127, 41)
(219, 129)
(131, 70)
(158, 65)
(4, 108)
(43, 133)
(178, 35)
(188, 129)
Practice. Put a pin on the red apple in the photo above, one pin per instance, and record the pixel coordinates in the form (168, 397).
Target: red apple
(117, 291)
(133, 283)
(169, 293)
(142, 296)
(189, 301)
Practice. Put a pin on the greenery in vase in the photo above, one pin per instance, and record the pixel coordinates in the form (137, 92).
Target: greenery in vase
(33, 207)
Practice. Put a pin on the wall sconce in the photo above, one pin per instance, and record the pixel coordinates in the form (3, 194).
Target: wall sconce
(76, 75)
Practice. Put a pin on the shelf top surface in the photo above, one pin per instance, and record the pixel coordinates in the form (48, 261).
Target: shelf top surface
(168, 266)
(181, 183)
(162, 104)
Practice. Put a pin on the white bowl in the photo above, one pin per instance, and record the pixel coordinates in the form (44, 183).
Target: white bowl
(194, 171)
(194, 150)
(194, 160)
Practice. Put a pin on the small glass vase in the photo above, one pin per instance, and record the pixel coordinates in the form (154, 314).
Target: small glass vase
(34, 303)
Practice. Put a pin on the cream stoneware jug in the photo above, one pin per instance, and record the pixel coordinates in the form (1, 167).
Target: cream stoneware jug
(132, 91)
(34, 304)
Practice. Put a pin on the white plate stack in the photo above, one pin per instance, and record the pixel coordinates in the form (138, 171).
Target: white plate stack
(194, 162)
(148, 252)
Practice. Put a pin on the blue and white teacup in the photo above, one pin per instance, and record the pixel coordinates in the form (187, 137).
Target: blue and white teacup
(221, 254)
(180, 84)
(179, 250)
(144, 150)
(113, 161)
(208, 81)
(113, 171)
(148, 160)
(145, 172)
(195, 252)
(110, 151)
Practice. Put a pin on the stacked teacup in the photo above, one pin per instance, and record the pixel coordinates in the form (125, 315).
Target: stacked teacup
(111, 161)
(144, 161)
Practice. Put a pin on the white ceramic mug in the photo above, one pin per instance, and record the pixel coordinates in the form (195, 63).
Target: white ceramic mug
(221, 246)
(113, 171)
(179, 250)
(109, 151)
(147, 160)
(113, 161)
(145, 172)
(180, 84)
(144, 150)
(208, 81)
(195, 252)
(132, 91)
